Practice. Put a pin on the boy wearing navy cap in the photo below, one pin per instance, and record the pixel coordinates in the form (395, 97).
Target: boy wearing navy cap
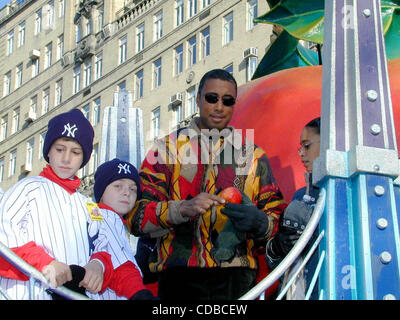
(43, 219)
(116, 188)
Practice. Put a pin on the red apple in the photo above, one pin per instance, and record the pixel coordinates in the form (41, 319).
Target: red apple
(231, 195)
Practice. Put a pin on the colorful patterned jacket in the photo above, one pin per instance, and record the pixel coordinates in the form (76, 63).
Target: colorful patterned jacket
(186, 163)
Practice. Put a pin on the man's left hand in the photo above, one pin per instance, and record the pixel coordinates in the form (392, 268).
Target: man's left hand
(247, 218)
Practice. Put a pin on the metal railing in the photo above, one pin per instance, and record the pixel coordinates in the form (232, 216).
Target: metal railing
(258, 291)
(34, 276)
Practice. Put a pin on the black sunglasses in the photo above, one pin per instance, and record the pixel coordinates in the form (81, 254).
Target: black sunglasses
(211, 97)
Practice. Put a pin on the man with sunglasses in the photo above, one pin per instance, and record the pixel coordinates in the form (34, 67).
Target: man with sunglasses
(181, 177)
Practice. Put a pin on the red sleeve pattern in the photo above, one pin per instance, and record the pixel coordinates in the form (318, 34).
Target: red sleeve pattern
(126, 280)
(32, 254)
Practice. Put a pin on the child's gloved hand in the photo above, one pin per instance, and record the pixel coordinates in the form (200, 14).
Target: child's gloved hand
(291, 225)
(78, 273)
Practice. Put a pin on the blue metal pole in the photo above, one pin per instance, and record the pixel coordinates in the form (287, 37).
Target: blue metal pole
(358, 162)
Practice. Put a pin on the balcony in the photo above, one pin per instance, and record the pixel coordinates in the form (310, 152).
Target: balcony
(85, 48)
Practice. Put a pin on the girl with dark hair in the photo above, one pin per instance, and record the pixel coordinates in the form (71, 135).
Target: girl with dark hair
(298, 212)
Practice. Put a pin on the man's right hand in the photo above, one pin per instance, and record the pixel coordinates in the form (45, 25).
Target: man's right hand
(199, 204)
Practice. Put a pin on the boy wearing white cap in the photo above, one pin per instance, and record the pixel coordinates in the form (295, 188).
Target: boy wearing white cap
(43, 219)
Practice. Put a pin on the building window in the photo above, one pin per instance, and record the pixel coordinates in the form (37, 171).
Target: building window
(158, 30)
(88, 29)
(77, 79)
(205, 3)
(205, 43)
(58, 93)
(18, 76)
(21, 34)
(60, 47)
(251, 67)
(13, 163)
(252, 13)
(3, 128)
(49, 18)
(140, 38)
(38, 22)
(96, 111)
(7, 84)
(87, 73)
(48, 54)
(122, 49)
(30, 151)
(157, 73)
(46, 101)
(228, 28)
(155, 123)
(86, 111)
(192, 8)
(139, 84)
(61, 8)
(179, 12)
(122, 85)
(178, 113)
(229, 68)
(35, 67)
(98, 62)
(191, 101)
(15, 122)
(33, 105)
(10, 42)
(2, 169)
(42, 136)
(179, 59)
(78, 33)
(100, 19)
(192, 51)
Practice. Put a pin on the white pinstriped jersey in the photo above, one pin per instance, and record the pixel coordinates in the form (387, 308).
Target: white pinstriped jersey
(37, 209)
(111, 237)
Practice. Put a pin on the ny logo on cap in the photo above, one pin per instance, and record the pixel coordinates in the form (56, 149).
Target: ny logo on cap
(69, 130)
(124, 167)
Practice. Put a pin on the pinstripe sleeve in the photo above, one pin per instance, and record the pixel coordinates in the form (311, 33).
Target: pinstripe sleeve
(14, 215)
(112, 238)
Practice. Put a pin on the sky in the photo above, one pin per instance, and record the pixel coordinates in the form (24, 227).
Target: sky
(3, 3)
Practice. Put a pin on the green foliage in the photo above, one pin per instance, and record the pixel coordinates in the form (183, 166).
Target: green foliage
(284, 53)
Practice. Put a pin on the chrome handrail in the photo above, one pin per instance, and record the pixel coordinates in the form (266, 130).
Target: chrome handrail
(302, 265)
(297, 249)
(35, 275)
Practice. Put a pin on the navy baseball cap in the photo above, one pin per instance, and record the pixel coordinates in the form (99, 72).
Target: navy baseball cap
(111, 171)
(73, 125)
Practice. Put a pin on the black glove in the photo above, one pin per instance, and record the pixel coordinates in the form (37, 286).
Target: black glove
(78, 273)
(282, 243)
(291, 225)
(143, 295)
(247, 218)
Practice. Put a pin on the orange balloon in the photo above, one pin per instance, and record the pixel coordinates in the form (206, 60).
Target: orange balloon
(279, 105)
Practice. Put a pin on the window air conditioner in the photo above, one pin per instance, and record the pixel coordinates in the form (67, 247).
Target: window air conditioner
(250, 52)
(176, 99)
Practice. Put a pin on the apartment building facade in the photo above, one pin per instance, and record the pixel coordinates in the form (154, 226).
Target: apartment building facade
(58, 55)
